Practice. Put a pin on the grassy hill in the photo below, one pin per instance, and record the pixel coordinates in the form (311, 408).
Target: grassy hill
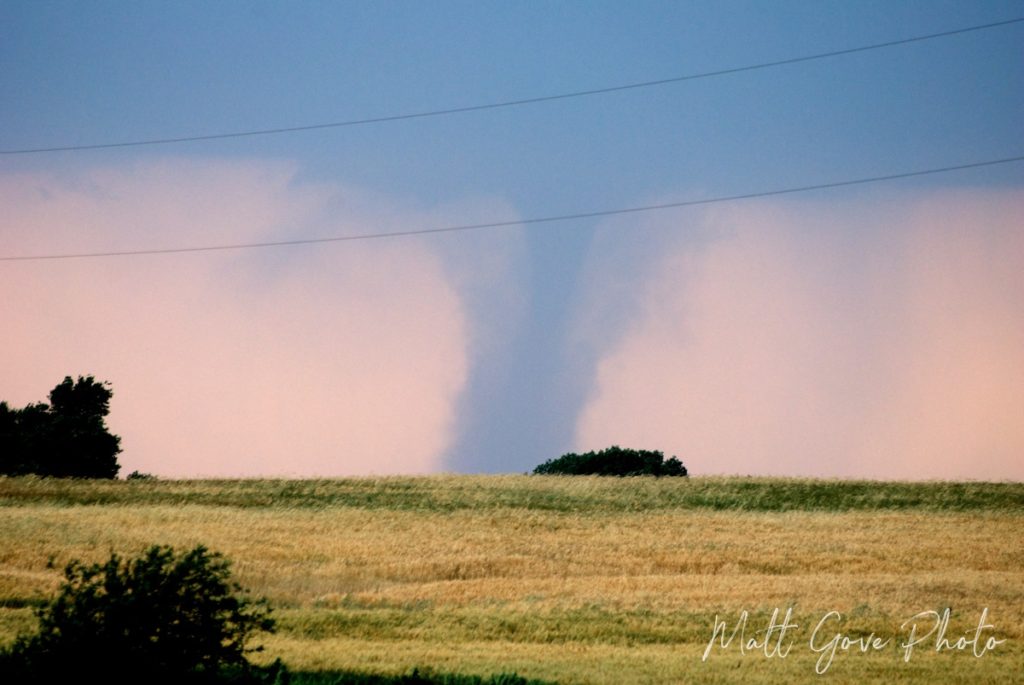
(569, 579)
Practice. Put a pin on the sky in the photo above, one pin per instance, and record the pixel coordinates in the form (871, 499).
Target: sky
(873, 330)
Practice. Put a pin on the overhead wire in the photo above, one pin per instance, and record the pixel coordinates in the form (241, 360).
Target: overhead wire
(515, 102)
(512, 222)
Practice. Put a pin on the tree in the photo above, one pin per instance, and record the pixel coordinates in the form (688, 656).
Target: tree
(163, 616)
(66, 438)
(614, 461)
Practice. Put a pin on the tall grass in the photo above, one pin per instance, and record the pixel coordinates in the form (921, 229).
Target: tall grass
(574, 580)
(543, 493)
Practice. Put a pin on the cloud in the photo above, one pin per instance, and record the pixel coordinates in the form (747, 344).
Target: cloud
(318, 360)
(880, 337)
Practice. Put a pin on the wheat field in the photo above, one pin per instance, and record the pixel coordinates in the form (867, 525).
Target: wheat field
(570, 579)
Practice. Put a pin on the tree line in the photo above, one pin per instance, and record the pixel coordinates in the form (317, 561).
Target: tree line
(68, 438)
(613, 461)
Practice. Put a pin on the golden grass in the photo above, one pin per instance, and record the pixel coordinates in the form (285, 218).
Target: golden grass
(598, 594)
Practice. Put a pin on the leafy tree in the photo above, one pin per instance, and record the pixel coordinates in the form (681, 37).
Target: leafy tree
(163, 616)
(66, 438)
(21, 434)
(614, 461)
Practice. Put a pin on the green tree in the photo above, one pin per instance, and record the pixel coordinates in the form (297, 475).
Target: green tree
(614, 461)
(66, 438)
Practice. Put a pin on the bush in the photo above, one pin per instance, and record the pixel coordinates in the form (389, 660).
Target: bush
(161, 617)
(138, 475)
(614, 461)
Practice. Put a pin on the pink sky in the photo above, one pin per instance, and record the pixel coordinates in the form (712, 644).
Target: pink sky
(881, 339)
(303, 362)
(881, 336)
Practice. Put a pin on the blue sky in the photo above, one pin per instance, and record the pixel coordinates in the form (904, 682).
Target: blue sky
(538, 309)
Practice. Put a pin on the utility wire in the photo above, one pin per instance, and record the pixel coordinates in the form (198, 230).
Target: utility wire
(515, 103)
(516, 222)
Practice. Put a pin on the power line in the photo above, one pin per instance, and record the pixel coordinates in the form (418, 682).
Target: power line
(516, 222)
(515, 103)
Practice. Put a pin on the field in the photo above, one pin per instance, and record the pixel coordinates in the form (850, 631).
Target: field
(570, 579)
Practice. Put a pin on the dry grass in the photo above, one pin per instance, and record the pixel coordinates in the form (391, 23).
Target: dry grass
(575, 580)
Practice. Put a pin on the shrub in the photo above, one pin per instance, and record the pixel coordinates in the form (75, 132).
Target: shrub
(139, 475)
(614, 461)
(161, 617)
